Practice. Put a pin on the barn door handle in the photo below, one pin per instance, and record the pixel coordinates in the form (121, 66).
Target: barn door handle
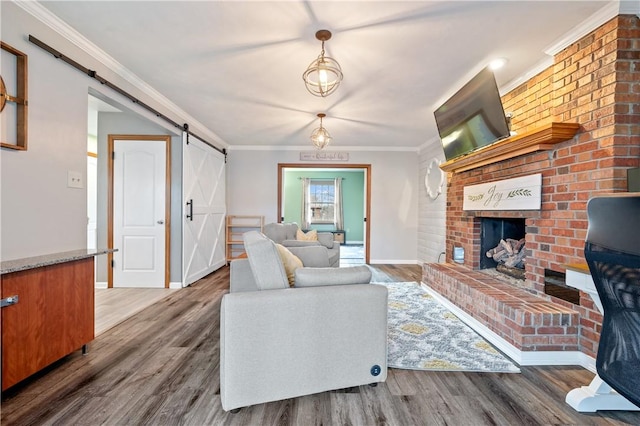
(190, 204)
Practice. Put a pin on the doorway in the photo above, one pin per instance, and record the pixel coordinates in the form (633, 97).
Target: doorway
(139, 210)
(361, 230)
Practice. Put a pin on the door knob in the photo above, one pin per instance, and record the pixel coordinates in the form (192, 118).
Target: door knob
(161, 222)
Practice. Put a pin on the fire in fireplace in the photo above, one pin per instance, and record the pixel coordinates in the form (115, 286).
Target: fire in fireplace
(502, 245)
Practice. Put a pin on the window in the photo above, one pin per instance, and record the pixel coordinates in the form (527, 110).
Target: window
(322, 201)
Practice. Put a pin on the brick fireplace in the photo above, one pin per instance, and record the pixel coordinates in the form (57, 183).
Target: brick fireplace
(594, 82)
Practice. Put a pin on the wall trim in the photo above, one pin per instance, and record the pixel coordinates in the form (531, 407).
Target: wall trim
(394, 261)
(101, 284)
(307, 147)
(608, 12)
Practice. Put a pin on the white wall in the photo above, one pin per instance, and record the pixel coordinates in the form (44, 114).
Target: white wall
(431, 213)
(252, 178)
(39, 214)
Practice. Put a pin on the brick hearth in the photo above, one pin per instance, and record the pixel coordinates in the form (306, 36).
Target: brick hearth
(526, 321)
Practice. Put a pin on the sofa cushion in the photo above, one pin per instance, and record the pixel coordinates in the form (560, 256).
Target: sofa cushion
(290, 262)
(326, 239)
(313, 277)
(308, 236)
(266, 266)
(279, 232)
(313, 256)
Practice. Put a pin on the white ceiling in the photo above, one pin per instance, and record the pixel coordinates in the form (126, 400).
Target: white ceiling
(236, 66)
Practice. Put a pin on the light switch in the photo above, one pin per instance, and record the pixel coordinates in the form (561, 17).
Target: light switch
(74, 179)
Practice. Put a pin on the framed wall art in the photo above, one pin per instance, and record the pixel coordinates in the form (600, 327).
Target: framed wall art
(13, 98)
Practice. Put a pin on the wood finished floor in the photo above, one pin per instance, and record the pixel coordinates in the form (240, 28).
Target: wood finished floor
(160, 367)
(114, 305)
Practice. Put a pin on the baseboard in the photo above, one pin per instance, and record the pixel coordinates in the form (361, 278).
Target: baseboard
(171, 285)
(393, 262)
(523, 358)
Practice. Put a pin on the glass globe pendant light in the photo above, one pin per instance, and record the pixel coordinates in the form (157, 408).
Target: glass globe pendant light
(320, 137)
(323, 75)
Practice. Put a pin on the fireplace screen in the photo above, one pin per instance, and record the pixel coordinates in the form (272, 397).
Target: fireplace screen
(502, 241)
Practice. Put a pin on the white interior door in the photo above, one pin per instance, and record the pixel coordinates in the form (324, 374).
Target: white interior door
(139, 206)
(203, 190)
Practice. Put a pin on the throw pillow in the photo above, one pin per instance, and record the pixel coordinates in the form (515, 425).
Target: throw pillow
(290, 262)
(309, 236)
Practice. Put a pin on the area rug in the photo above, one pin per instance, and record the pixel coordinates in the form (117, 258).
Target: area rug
(424, 335)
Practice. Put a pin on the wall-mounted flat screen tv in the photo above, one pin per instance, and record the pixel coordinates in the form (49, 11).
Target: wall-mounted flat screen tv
(473, 117)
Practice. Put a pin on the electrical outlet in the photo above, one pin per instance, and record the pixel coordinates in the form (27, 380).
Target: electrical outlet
(74, 179)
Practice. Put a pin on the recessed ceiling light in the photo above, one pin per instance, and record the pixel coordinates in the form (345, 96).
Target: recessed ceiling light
(497, 63)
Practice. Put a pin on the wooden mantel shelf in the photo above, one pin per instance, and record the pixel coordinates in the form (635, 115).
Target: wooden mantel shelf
(540, 139)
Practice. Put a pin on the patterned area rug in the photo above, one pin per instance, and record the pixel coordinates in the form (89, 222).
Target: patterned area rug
(424, 335)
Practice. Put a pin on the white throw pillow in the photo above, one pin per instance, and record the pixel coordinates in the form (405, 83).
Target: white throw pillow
(309, 236)
(290, 261)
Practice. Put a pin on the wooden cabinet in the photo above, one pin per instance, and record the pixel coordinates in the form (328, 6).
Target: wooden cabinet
(53, 317)
(236, 226)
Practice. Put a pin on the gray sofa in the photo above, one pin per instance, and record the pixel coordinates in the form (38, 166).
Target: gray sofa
(279, 342)
(285, 234)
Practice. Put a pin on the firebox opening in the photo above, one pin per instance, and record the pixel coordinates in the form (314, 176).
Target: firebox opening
(497, 231)
(555, 285)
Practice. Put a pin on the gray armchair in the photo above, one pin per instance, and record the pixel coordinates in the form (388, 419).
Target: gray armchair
(276, 342)
(285, 234)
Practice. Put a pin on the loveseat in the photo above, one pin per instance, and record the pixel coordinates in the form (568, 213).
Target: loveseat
(279, 342)
(286, 233)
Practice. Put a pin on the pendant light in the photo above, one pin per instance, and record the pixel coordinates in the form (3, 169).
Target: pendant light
(323, 76)
(320, 137)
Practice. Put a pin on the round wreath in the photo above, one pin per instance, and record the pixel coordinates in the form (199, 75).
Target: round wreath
(431, 181)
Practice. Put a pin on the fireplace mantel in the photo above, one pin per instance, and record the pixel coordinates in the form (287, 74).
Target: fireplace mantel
(540, 139)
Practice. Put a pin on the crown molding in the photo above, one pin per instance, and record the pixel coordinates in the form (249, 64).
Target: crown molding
(599, 18)
(606, 13)
(330, 148)
(45, 16)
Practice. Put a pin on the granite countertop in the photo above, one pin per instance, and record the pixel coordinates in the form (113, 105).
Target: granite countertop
(8, 266)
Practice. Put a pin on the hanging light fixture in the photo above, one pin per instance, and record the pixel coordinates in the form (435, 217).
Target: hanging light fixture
(320, 137)
(323, 75)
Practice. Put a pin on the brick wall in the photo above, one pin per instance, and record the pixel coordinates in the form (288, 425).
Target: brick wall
(594, 82)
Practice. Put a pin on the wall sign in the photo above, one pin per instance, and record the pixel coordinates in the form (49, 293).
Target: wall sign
(522, 193)
(324, 156)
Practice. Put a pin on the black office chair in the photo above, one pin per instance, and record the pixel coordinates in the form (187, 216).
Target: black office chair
(612, 251)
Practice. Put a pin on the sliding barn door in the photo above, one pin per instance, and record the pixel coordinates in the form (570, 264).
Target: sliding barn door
(204, 209)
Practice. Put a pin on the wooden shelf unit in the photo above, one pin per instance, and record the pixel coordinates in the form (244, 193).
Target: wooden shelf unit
(540, 139)
(236, 226)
